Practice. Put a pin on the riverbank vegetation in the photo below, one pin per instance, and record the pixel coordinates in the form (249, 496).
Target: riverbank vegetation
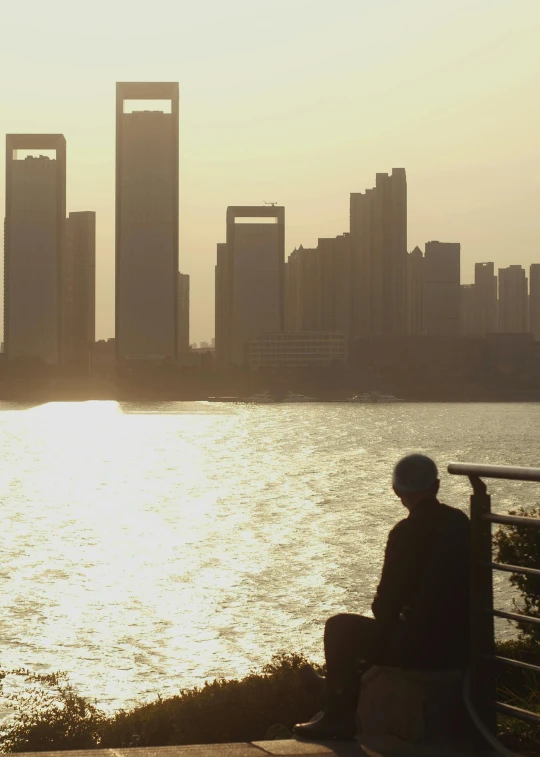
(50, 715)
(521, 546)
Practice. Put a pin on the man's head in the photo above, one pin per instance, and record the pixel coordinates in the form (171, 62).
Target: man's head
(415, 478)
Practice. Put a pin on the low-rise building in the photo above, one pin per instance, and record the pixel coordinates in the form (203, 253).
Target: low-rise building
(510, 351)
(297, 349)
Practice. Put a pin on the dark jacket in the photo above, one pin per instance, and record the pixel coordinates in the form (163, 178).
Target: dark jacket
(422, 602)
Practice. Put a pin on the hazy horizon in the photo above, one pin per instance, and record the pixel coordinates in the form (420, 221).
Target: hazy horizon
(298, 103)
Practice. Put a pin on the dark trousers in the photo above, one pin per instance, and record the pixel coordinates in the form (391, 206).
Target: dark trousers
(351, 646)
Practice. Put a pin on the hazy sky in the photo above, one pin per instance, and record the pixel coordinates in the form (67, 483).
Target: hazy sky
(299, 102)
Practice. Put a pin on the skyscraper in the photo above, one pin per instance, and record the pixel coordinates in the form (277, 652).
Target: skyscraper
(415, 292)
(534, 300)
(79, 310)
(485, 283)
(442, 297)
(303, 290)
(222, 289)
(319, 287)
(513, 300)
(250, 297)
(335, 286)
(183, 313)
(34, 245)
(146, 221)
(469, 310)
(378, 227)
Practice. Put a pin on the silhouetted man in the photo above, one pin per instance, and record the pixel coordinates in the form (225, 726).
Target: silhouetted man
(421, 607)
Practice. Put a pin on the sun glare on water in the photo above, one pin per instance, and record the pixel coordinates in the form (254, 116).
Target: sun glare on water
(151, 547)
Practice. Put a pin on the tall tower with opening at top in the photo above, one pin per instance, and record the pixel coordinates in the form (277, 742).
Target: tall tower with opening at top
(34, 245)
(146, 220)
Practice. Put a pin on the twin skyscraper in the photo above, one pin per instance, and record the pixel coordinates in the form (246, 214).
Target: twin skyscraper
(49, 279)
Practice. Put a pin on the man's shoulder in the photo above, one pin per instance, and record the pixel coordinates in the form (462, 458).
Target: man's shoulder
(402, 528)
(450, 514)
(455, 514)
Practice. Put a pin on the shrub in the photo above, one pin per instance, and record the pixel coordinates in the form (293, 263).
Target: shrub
(519, 688)
(51, 716)
(521, 546)
(48, 715)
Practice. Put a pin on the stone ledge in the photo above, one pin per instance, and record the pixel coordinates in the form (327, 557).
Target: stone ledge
(279, 748)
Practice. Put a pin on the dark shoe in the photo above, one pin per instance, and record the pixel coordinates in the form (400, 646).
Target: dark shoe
(326, 728)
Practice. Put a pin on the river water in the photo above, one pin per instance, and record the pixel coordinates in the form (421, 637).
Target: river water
(148, 548)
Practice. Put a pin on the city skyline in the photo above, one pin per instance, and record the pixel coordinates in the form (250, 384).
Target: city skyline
(453, 101)
(370, 285)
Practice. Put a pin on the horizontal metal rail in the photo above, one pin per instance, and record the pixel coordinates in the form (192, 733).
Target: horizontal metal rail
(517, 712)
(513, 569)
(512, 520)
(515, 663)
(516, 617)
(509, 472)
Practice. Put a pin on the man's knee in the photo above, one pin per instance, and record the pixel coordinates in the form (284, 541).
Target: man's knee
(335, 622)
(341, 625)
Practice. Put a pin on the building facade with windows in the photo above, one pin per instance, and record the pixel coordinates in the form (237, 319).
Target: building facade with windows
(297, 349)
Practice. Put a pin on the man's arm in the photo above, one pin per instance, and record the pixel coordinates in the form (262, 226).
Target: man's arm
(398, 568)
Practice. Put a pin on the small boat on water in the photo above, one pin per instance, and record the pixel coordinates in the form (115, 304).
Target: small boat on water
(292, 397)
(372, 397)
(262, 397)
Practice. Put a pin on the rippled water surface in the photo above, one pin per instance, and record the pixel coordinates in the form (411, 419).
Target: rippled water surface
(151, 547)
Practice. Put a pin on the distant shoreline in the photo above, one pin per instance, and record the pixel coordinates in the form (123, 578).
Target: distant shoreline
(42, 398)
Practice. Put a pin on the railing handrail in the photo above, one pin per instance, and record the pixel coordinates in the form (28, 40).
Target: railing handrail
(512, 520)
(510, 472)
(506, 568)
(483, 654)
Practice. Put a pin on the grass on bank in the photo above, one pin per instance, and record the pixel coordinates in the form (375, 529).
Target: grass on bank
(50, 715)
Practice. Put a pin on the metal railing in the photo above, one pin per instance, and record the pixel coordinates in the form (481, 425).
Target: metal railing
(483, 656)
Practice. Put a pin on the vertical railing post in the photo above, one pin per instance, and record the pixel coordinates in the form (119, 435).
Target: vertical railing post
(482, 623)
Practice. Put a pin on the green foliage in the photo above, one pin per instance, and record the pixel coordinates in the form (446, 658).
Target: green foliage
(519, 688)
(521, 546)
(49, 715)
